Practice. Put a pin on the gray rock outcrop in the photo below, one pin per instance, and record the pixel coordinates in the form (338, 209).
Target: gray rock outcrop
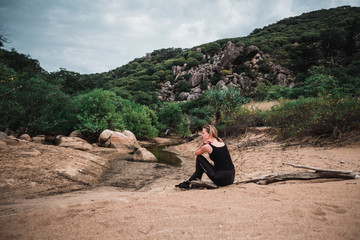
(143, 155)
(257, 68)
(125, 142)
(75, 142)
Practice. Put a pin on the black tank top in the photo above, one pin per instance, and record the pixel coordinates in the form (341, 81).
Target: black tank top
(221, 158)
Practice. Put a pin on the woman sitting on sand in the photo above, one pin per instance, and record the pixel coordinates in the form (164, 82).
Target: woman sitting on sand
(222, 172)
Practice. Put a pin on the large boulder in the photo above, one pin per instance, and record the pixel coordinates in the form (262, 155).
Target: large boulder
(252, 50)
(3, 145)
(193, 96)
(11, 141)
(284, 76)
(124, 141)
(144, 155)
(183, 96)
(129, 135)
(39, 139)
(75, 142)
(3, 135)
(76, 134)
(231, 53)
(196, 79)
(25, 137)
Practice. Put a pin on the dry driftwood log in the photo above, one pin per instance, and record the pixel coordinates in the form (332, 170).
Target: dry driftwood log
(206, 184)
(319, 173)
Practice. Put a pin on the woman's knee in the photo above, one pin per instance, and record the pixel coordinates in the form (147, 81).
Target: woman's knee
(200, 158)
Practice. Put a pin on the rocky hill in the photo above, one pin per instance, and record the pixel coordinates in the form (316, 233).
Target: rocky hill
(225, 63)
(278, 54)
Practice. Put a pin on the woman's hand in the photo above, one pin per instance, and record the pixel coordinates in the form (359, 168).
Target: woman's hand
(204, 147)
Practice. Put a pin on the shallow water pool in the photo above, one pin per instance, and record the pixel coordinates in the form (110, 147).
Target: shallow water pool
(164, 156)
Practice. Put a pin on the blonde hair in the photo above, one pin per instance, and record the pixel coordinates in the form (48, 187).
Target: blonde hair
(212, 131)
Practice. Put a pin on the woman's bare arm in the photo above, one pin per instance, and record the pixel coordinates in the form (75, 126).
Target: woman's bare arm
(204, 147)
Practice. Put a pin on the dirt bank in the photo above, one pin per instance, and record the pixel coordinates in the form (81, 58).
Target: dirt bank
(318, 209)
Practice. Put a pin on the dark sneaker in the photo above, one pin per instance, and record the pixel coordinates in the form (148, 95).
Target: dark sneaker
(184, 185)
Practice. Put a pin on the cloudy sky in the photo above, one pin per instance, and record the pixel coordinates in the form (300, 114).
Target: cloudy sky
(93, 36)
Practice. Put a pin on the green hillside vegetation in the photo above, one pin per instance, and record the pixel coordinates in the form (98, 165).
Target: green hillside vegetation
(321, 48)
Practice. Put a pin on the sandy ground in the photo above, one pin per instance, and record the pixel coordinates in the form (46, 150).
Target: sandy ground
(317, 209)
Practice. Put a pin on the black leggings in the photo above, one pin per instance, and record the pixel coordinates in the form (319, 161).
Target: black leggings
(219, 177)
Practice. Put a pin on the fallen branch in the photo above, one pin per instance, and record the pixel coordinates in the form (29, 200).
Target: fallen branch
(319, 173)
(206, 184)
(316, 169)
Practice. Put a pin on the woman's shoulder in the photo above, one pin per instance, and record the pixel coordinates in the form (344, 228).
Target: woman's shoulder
(218, 144)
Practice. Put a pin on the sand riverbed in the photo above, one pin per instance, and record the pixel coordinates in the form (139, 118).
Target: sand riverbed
(317, 209)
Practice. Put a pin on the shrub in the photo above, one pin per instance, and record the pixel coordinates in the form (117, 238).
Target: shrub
(261, 91)
(244, 69)
(139, 119)
(197, 55)
(275, 92)
(37, 107)
(324, 115)
(225, 101)
(200, 116)
(171, 117)
(215, 79)
(212, 48)
(192, 62)
(244, 118)
(182, 86)
(225, 72)
(96, 111)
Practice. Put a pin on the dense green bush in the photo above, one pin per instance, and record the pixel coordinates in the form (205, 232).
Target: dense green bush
(200, 116)
(35, 106)
(327, 115)
(242, 119)
(225, 101)
(192, 62)
(172, 118)
(139, 119)
(324, 115)
(211, 48)
(182, 86)
(97, 111)
(197, 55)
(275, 92)
(215, 79)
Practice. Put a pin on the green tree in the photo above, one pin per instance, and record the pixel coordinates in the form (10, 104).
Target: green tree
(225, 101)
(197, 55)
(212, 48)
(139, 119)
(97, 111)
(38, 106)
(319, 83)
(171, 117)
(192, 62)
